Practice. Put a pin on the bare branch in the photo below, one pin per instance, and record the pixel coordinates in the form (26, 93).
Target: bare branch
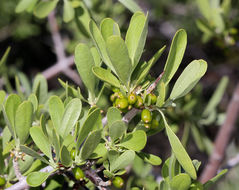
(154, 84)
(16, 169)
(222, 138)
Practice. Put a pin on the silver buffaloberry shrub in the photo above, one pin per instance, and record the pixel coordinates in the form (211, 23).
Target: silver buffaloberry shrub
(68, 135)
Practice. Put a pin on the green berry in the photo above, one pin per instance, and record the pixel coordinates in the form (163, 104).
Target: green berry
(146, 116)
(121, 103)
(153, 98)
(118, 182)
(113, 97)
(147, 125)
(73, 153)
(155, 124)
(132, 98)
(119, 95)
(139, 102)
(78, 173)
(2, 181)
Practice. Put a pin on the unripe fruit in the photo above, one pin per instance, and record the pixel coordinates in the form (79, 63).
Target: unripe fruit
(132, 98)
(146, 116)
(73, 153)
(78, 173)
(153, 98)
(118, 182)
(121, 103)
(2, 181)
(147, 125)
(155, 124)
(139, 102)
(119, 95)
(113, 97)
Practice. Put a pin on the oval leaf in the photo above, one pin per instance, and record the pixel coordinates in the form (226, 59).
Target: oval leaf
(90, 144)
(175, 55)
(23, 117)
(41, 141)
(136, 36)
(150, 158)
(123, 160)
(23, 5)
(84, 62)
(113, 114)
(70, 117)
(56, 110)
(189, 78)
(43, 8)
(119, 57)
(109, 27)
(68, 11)
(35, 179)
(180, 182)
(134, 141)
(106, 76)
(117, 129)
(65, 157)
(179, 151)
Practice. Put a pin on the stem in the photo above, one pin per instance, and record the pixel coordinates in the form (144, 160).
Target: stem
(222, 138)
(16, 169)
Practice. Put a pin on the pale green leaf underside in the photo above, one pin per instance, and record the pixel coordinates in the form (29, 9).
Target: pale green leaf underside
(35, 179)
(68, 11)
(43, 8)
(180, 182)
(109, 27)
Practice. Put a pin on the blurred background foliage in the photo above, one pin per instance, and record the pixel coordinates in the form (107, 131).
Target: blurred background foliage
(213, 38)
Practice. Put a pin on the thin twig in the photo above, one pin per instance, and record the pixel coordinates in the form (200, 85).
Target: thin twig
(231, 163)
(17, 169)
(222, 138)
(154, 84)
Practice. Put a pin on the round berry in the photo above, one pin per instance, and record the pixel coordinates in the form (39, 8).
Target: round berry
(196, 186)
(155, 124)
(2, 181)
(73, 153)
(119, 95)
(132, 98)
(146, 116)
(147, 125)
(139, 102)
(153, 98)
(78, 173)
(118, 182)
(114, 89)
(121, 103)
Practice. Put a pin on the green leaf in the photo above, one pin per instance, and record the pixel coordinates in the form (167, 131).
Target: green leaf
(32, 153)
(188, 79)
(100, 151)
(119, 57)
(70, 117)
(161, 94)
(4, 57)
(117, 129)
(142, 70)
(106, 76)
(56, 144)
(212, 181)
(23, 5)
(68, 11)
(24, 116)
(96, 56)
(109, 27)
(11, 105)
(216, 97)
(123, 160)
(134, 141)
(35, 179)
(2, 98)
(90, 144)
(25, 83)
(113, 114)
(131, 5)
(33, 99)
(179, 151)
(65, 157)
(136, 36)
(87, 126)
(180, 182)
(43, 8)
(56, 110)
(150, 158)
(205, 8)
(84, 62)
(40, 87)
(41, 141)
(100, 44)
(175, 55)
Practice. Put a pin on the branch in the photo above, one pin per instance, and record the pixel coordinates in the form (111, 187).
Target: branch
(16, 169)
(222, 138)
(154, 84)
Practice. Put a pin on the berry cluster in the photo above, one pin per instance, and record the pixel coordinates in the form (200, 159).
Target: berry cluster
(150, 121)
